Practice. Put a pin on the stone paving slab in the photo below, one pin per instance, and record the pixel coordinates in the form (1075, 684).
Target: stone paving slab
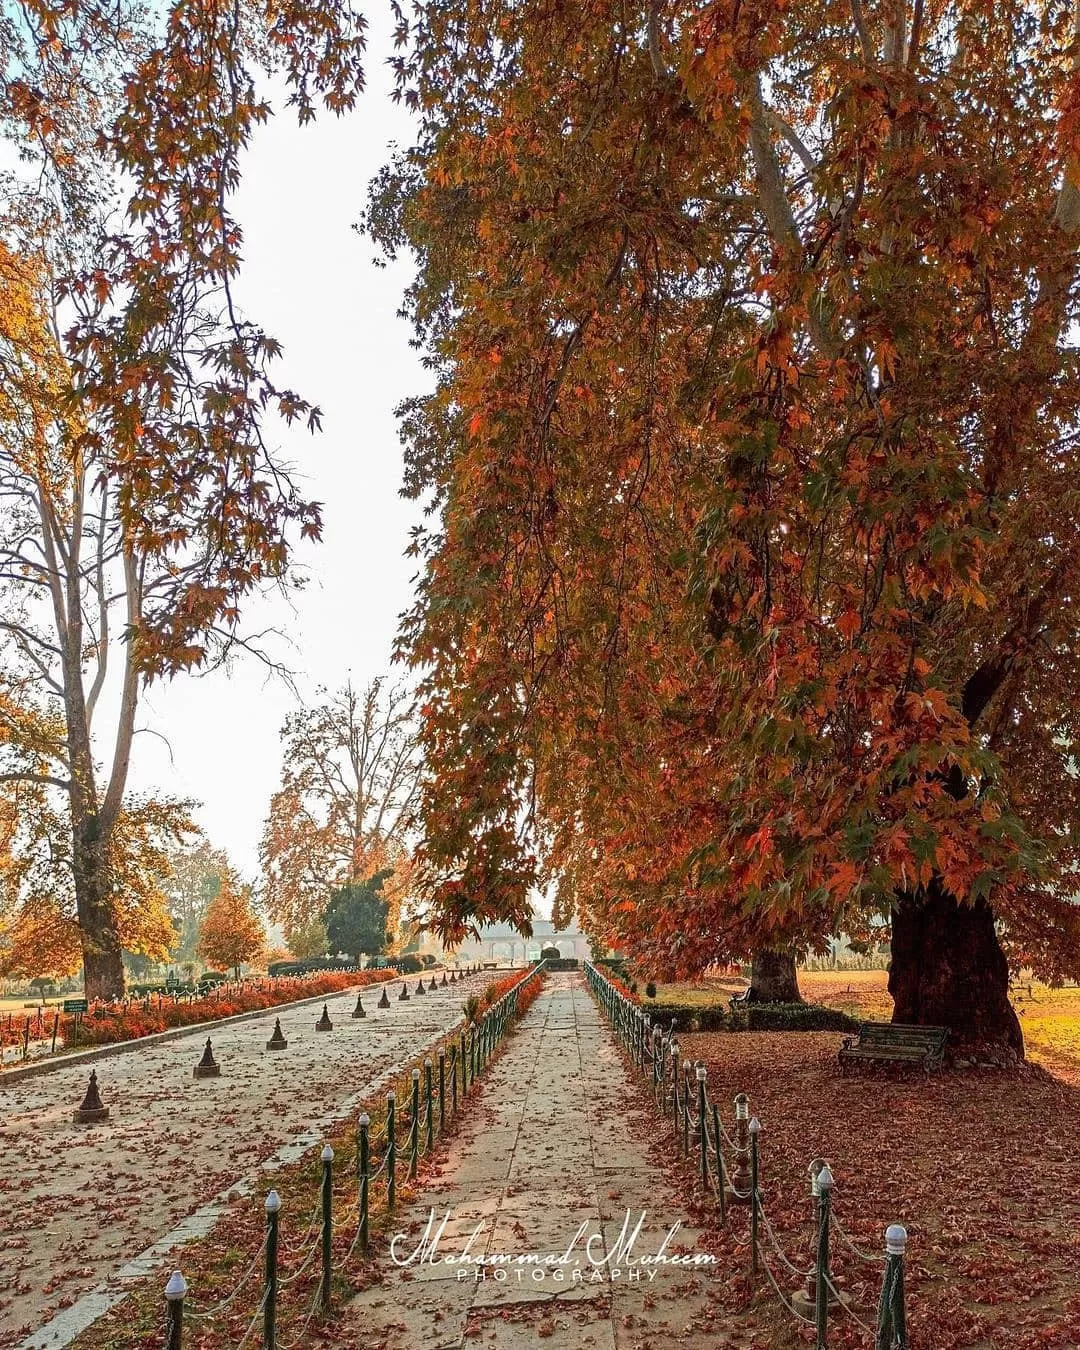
(548, 1163)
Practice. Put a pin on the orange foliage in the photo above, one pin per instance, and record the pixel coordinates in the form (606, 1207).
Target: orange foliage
(231, 933)
(753, 597)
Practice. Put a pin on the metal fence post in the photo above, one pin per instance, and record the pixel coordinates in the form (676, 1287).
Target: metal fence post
(703, 1128)
(430, 1105)
(273, 1212)
(414, 1128)
(754, 1129)
(892, 1315)
(675, 1108)
(721, 1180)
(686, 1109)
(453, 1078)
(740, 1177)
(391, 1150)
(327, 1224)
(442, 1091)
(821, 1312)
(364, 1166)
(464, 1064)
(175, 1293)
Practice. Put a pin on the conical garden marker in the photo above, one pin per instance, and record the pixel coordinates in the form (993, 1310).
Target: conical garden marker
(384, 1002)
(443, 980)
(403, 996)
(358, 1011)
(433, 984)
(277, 1041)
(324, 1023)
(420, 985)
(92, 1108)
(208, 1067)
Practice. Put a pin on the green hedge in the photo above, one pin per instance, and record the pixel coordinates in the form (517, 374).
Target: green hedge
(278, 969)
(750, 1017)
(562, 962)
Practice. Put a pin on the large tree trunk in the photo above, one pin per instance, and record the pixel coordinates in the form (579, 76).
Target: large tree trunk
(948, 970)
(103, 965)
(773, 978)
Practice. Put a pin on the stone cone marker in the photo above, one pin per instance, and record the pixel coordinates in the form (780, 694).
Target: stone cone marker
(208, 1067)
(324, 1023)
(92, 1108)
(404, 993)
(358, 1011)
(434, 984)
(277, 1041)
(420, 985)
(384, 1002)
(443, 980)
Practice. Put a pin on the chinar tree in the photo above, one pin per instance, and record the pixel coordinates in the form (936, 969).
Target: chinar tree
(140, 504)
(749, 598)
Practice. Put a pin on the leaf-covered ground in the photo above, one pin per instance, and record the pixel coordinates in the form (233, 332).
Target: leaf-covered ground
(982, 1168)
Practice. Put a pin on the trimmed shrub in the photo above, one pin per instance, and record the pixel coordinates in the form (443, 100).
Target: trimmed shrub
(792, 1017)
(650, 990)
(751, 1017)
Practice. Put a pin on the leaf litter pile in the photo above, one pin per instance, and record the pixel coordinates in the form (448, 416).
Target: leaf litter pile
(982, 1168)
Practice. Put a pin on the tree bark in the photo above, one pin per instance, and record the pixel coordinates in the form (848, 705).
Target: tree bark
(773, 978)
(103, 964)
(948, 970)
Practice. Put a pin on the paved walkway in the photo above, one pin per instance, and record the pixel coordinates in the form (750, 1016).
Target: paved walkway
(549, 1157)
(88, 1208)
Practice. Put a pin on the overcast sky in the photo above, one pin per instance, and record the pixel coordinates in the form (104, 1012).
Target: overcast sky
(309, 281)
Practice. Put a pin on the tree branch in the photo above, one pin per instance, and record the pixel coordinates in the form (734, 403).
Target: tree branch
(46, 778)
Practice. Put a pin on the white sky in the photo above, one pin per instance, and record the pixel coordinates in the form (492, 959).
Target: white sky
(310, 282)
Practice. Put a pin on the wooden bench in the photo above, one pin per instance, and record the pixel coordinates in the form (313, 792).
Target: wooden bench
(893, 1042)
(737, 1001)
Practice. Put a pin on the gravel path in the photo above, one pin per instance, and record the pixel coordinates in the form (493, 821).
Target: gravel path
(81, 1203)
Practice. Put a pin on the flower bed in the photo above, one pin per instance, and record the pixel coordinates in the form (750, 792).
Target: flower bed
(107, 1024)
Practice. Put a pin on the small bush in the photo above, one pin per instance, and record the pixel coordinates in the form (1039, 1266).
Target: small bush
(550, 954)
(650, 990)
(409, 964)
(471, 1008)
(792, 1017)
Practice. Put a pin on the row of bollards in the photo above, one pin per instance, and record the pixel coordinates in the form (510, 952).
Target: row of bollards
(92, 1109)
(683, 1089)
(457, 1071)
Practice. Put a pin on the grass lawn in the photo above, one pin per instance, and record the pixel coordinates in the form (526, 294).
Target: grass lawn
(1050, 1018)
